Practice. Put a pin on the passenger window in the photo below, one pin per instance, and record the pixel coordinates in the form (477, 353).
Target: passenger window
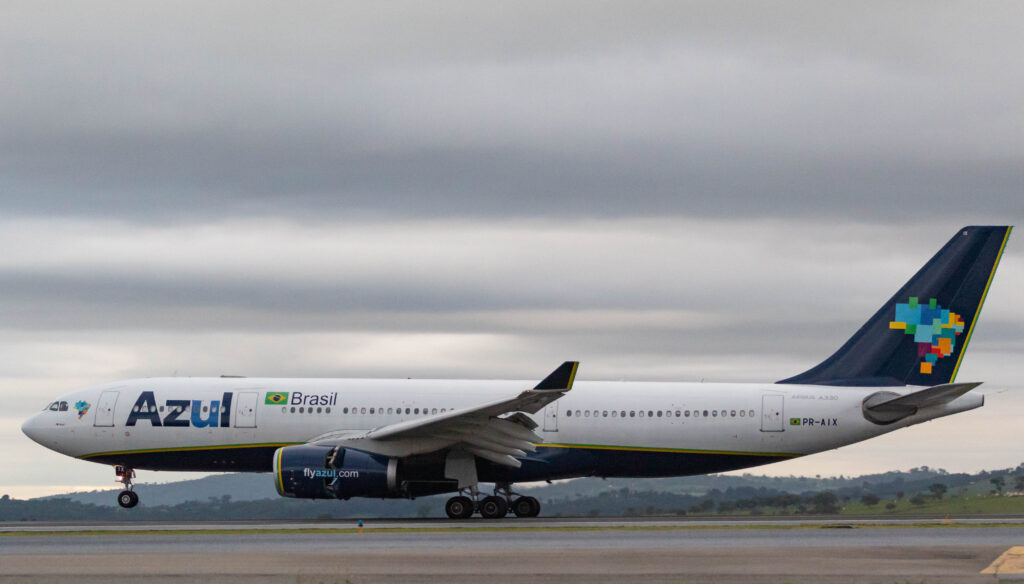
(687, 412)
(318, 410)
(678, 413)
(586, 413)
(293, 409)
(732, 414)
(568, 413)
(389, 410)
(302, 409)
(362, 410)
(632, 413)
(641, 413)
(604, 414)
(705, 413)
(659, 413)
(751, 413)
(615, 414)
(407, 410)
(650, 414)
(743, 413)
(327, 410)
(344, 410)
(284, 409)
(714, 413)
(371, 410)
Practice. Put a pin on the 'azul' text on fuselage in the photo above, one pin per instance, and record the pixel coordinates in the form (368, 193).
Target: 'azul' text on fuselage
(182, 413)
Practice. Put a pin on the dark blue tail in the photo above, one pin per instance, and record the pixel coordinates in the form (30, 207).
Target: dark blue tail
(919, 336)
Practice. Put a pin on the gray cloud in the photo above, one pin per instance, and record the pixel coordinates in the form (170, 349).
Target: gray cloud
(593, 109)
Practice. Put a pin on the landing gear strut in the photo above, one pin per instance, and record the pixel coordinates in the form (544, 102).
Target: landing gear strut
(127, 498)
(493, 506)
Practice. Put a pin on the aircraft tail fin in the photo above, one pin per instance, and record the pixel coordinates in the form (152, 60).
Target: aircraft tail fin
(920, 335)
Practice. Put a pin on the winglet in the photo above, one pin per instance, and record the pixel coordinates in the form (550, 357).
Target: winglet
(560, 378)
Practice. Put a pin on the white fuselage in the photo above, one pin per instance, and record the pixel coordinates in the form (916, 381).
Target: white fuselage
(183, 416)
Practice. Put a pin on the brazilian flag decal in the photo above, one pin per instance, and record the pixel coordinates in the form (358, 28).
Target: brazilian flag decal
(792, 421)
(277, 397)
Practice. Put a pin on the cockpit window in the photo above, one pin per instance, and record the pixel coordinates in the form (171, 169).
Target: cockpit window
(53, 406)
(63, 406)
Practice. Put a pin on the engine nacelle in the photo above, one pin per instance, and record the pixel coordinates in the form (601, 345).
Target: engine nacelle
(324, 472)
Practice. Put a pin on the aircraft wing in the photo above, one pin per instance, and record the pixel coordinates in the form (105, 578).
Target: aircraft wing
(493, 430)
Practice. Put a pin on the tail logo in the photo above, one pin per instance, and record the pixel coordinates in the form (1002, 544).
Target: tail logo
(934, 329)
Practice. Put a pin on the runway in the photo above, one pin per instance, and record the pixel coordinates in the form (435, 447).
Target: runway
(513, 551)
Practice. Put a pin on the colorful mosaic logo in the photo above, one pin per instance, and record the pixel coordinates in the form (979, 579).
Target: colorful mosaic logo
(934, 329)
(82, 407)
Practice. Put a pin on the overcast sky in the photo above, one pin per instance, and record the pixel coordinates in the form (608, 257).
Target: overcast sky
(663, 190)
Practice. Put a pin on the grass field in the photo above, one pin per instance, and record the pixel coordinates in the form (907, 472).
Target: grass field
(954, 505)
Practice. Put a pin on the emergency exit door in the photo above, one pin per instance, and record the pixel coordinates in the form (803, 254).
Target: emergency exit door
(105, 409)
(245, 410)
(551, 417)
(771, 413)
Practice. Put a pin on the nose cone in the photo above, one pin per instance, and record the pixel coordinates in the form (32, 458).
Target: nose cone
(39, 431)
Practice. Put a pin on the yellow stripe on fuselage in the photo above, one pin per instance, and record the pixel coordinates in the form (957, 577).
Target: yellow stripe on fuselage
(667, 450)
(188, 449)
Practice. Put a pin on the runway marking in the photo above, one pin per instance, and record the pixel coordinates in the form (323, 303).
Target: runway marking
(482, 529)
(1011, 562)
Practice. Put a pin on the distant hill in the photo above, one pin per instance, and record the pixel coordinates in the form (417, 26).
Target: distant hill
(258, 486)
(252, 496)
(239, 486)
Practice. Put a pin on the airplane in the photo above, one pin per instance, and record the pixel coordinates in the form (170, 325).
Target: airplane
(343, 438)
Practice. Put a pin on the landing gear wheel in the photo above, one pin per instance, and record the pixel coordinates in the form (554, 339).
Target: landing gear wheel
(459, 507)
(493, 507)
(526, 507)
(127, 499)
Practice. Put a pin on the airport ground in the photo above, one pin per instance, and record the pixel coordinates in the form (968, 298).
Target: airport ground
(537, 551)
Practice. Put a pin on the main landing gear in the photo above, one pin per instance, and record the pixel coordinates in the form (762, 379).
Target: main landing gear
(493, 506)
(127, 498)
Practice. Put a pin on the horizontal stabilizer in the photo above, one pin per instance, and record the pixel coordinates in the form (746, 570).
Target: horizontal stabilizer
(886, 407)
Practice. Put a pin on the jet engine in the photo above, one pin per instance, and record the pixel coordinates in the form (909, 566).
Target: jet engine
(325, 472)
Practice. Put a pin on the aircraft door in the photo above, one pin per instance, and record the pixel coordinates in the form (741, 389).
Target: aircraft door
(771, 413)
(245, 410)
(551, 417)
(105, 409)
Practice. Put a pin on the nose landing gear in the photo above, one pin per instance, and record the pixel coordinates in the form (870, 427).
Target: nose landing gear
(127, 498)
